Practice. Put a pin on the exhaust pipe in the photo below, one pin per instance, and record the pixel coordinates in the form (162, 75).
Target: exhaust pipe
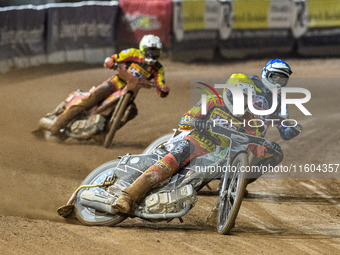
(89, 198)
(158, 216)
(104, 204)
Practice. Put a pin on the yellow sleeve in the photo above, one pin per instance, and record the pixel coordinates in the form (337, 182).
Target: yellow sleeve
(128, 55)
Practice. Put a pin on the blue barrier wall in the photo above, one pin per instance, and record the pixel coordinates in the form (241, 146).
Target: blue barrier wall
(57, 33)
(88, 31)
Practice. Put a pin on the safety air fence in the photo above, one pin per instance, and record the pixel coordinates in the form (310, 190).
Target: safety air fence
(88, 31)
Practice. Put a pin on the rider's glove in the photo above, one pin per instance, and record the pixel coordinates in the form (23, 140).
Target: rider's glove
(200, 125)
(163, 91)
(288, 133)
(274, 148)
(297, 129)
(109, 63)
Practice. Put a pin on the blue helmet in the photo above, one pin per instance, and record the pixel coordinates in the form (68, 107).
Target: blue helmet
(275, 74)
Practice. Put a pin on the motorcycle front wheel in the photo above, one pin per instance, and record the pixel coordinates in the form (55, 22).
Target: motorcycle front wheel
(232, 190)
(89, 216)
(158, 142)
(116, 119)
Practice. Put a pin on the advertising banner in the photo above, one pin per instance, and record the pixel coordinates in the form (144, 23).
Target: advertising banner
(324, 14)
(71, 28)
(196, 19)
(196, 25)
(323, 35)
(193, 15)
(250, 14)
(141, 17)
(259, 27)
(21, 35)
(279, 14)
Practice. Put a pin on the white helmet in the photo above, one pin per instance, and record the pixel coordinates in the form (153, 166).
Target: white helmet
(275, 74)
(150, 46)
(244, 83)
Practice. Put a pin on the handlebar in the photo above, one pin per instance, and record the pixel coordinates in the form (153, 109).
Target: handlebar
(270, 116)
(133, 83)
(240, 138)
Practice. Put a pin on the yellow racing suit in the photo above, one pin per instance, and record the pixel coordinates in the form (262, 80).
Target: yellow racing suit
(133, 62)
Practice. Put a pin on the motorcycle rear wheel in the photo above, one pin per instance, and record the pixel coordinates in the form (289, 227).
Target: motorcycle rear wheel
(89, 216)
(231, 195)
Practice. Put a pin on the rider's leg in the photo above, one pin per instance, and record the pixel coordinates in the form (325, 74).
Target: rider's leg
(64, 118)
(180, 155)
(100, 93)
(157, 173)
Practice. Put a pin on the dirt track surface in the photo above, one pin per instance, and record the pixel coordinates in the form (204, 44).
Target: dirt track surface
(280, 216)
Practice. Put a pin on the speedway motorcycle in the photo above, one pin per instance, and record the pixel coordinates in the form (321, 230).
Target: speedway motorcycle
(92, 201)
(101, 122)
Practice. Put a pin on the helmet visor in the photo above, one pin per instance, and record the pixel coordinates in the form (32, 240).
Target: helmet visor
(279, 78)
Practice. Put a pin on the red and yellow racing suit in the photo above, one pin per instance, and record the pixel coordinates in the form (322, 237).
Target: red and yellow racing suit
(133, 62)
(200, 143)
(205, 142)
(110, 90)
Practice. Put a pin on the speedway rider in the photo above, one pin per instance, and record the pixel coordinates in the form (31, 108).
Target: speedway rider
(142, 63)
(199, 142)
(275, 74)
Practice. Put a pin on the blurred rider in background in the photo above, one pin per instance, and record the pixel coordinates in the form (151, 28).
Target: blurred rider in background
(142, 63)
(199, 142)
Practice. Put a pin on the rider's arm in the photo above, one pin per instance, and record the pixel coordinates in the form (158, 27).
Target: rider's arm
(158, 73)
(187, 120)
(288, 132)
(127, 55)
(122, 57)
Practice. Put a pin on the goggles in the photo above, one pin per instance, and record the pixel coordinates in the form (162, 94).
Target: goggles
(152, 53)
(279, 78)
